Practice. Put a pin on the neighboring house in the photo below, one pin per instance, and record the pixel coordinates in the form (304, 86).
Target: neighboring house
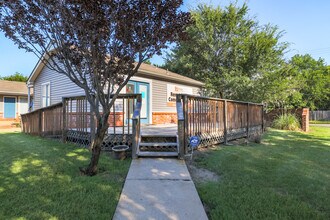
(157, 86)
(13, 99)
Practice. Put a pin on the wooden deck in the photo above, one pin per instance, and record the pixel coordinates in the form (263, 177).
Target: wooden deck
(148, 130)
(212, 120)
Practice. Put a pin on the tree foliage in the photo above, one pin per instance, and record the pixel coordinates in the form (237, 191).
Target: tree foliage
(301, 82)
(99, 44)
(229, 51)
(15, 77)
(239, 59)
(278, 89)
(314, 81)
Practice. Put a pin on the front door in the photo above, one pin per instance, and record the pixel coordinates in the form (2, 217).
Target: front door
(9, 107)
(143, 89)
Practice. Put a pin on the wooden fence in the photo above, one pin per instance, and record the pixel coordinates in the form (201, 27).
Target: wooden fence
(216, 120)
(71, 120)
(319, 115)
(46, 121)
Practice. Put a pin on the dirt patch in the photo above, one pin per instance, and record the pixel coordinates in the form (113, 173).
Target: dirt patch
(199, 174)
(202, 175)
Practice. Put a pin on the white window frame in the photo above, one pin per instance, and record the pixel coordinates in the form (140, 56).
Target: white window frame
(19, 104)
(47, 96)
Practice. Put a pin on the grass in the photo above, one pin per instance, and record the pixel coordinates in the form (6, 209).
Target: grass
(39, 179)
(319, 122)
(287, 176)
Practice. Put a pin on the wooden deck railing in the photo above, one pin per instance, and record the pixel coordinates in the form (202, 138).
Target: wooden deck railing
(44, 122)
(216, 120)
(72, 121)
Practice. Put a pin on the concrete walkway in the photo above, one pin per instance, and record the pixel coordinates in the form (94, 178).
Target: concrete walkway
(159, 189)
(320, 125)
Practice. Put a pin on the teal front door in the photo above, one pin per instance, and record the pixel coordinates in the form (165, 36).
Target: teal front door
(143, 89)
(9, 107)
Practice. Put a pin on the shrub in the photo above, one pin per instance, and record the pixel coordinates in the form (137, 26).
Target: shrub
(286, 122)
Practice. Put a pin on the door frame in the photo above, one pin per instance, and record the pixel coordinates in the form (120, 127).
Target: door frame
(149, 81)
(5, 108)
(147, 86)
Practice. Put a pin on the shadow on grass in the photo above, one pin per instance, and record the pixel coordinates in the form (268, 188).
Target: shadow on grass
(39, 179)
(285, 177)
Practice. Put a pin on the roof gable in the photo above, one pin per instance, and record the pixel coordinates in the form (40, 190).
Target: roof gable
(145, 70)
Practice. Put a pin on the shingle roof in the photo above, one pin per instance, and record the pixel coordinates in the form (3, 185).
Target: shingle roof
(13, 88)
(146, 70)
(156, 72)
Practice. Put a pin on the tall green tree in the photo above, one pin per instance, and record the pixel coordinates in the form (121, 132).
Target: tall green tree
(19, 77)
(228, 50)
(279, 89)
(314, 81)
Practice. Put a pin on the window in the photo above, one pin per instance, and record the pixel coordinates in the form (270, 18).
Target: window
(45, 94)
(23, 103)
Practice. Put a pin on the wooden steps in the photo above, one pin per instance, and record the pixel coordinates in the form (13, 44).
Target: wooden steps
(166, 144)
(157, 154)
(158, 146)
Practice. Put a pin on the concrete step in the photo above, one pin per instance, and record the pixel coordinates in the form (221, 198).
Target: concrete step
(163, 144)
(157, 154)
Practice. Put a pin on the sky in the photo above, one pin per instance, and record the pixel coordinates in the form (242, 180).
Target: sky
(305, 24)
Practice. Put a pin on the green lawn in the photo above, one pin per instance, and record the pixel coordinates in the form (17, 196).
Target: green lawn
(285, 177)
(39, 179)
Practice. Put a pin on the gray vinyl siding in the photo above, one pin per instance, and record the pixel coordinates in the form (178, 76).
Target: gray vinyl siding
(159, 95)
(60, 86)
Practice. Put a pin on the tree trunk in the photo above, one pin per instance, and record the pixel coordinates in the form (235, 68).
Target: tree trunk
(96, 145)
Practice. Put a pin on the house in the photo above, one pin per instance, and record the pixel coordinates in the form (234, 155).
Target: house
(13, 99)
(157, 86)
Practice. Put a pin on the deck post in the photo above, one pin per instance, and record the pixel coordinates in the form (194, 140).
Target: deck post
(23, 124)
(135, 138)
(181, 129)
(92, 123)
(64, 134)
(225, 123)
(40, 122)
(136, 127)
(185, 111)
(248, 121)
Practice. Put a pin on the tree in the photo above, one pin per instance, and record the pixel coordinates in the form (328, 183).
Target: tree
(229, 51)
(279, 89)
(99, 44)
(314, 77)
(15, 77)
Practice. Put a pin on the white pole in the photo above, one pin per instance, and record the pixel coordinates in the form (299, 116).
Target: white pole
(29, 99)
